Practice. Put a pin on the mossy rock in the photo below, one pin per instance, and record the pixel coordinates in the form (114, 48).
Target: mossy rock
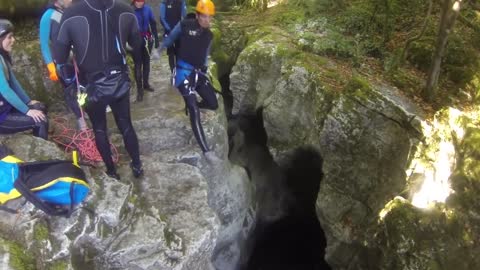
(19, 257)
(424, 239)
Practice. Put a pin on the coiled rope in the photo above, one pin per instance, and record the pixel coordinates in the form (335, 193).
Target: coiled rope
(81, 140)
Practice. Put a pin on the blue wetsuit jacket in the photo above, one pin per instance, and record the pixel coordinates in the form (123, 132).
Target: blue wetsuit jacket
(146, 21)
(171, 13)
(49, 28)
(12, 94)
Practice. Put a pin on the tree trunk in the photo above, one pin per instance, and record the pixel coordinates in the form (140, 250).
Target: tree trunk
(447, 20)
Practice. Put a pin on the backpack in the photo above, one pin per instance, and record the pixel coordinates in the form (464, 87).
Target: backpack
(53, 186)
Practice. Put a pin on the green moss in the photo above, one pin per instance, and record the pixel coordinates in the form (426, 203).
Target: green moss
(20, 259)
(60, 265)
(359, 86)
(421, 235)
(214, 75)
(40, 232)
(219, 55)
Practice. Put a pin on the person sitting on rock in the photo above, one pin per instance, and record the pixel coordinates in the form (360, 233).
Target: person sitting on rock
(18, 112)
(191, 67)
(49, 27)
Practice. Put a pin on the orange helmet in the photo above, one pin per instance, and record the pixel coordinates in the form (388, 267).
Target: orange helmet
(205, 7)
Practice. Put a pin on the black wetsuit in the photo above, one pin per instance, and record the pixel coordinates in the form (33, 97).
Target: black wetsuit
(98, 31)
(16, 121)
(191, 71)
(148, 32)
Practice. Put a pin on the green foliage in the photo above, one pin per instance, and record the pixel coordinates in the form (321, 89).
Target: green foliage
(314, 6)
(381, 28)
(336, 45)
(403, 80)
(420, 54)
(461, 61)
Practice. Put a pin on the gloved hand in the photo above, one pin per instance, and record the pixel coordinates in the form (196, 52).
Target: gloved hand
(52, 72)
(82, 95)
(157, 43)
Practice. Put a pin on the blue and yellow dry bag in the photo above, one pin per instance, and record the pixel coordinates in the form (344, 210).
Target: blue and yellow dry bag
(54, 186)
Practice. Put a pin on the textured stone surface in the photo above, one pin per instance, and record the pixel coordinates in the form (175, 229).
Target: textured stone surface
(171, 218)
(369, 137)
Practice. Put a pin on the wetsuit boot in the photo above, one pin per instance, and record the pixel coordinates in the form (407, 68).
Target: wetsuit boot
(137, 169)
(113, 174)
(147, 87)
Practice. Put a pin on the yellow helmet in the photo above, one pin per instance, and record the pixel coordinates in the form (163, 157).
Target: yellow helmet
(205, 7)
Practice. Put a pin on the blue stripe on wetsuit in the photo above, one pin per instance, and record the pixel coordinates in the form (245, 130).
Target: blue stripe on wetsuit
(14, 95)
(163, 16)
(45, 28)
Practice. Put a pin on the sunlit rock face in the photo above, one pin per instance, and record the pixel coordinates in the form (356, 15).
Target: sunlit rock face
(372, 141)
(439, 229)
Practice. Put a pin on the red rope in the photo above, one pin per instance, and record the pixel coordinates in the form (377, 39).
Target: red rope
(81, 140)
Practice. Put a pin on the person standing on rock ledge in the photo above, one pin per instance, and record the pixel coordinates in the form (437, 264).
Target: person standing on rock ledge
(195, 38)
(49, 27)
(171, 13)
(148, 32)
(98, 31)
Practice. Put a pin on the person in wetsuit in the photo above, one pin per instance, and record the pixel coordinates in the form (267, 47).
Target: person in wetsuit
(195, 38)
(18, 112)
(49, 27)
(98, 31)
(171, 13)
(149, 34)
